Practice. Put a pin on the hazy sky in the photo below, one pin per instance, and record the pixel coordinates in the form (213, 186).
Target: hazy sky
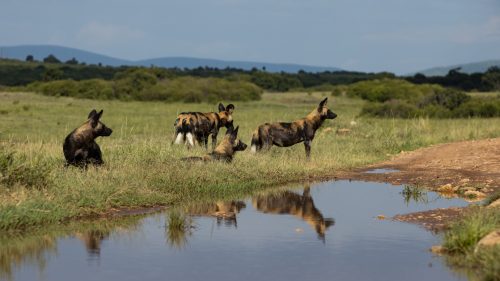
(368, 35)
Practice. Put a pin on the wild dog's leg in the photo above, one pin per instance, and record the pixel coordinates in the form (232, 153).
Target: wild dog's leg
(205, 141)
(307, 191)
(190, 139)
(307, 144)
(256, 143)
(214, 141)
(267, 142)
(94, 154)
(178, 138)
(80, 157)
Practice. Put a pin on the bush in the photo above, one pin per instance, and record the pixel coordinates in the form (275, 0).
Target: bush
(394, 108)
(479, 107)
(143, 84)
(190, 89)
(389, 89)
(448, 98)
(90, 89)
(64, 88)
(18, 170)
(397, 98)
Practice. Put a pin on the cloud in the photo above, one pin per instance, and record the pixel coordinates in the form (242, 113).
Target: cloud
(103, 34)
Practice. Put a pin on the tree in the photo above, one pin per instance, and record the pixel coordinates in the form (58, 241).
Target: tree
(51, 59)
(492, 78)
(30, 58)
(72, 61)
(51, 74)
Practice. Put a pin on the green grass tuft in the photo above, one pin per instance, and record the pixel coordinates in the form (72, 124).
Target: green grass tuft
(461, 240)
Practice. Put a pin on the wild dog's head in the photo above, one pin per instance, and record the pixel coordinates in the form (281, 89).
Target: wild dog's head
(226, 115)
(236, 143)
(98, 128)
(324, 112)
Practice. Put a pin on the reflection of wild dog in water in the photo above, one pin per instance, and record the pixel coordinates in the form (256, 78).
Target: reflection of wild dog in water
(199, 126)
(80, 147)
(92, 240)
(225, 150)
(223, 211)
(301, 206)
(287, 134)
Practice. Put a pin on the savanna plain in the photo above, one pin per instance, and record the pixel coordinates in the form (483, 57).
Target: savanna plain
(143, 169)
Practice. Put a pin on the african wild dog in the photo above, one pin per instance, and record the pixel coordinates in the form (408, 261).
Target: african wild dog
(301, 206)
(287, 134)
(225, 150)
(191, 127)
(80, 147)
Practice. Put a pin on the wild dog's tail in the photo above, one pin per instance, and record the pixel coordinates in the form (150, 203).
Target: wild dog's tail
(256, 141)
(192, 159)
(195, 159)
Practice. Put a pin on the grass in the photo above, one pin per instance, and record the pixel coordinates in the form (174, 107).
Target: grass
(414, 193)
(178, 228)
(143, 169)
(461, 240)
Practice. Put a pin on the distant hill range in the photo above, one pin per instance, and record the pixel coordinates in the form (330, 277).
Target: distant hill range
(64, 53)
(469, 68)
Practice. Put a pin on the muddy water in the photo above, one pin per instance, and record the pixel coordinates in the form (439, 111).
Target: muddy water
(327, 231)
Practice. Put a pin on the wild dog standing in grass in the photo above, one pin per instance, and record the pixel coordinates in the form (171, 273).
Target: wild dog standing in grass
(80, 147)
(287, 134)
(191, 127)
(225, 150)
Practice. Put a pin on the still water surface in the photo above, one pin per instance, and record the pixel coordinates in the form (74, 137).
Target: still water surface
(326, 232)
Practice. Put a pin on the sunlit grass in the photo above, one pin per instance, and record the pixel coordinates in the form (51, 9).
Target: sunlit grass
(142, 168)
(461, 242)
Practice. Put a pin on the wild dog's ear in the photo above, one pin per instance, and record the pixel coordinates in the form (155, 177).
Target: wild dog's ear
(99, 114)
(323, 102)
(230, 108)
(234, 133)
(221, 107)
(94, 119)
(92, 113)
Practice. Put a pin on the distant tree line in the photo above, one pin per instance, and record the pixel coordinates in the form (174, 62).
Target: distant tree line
(18, 73)
(482, 82)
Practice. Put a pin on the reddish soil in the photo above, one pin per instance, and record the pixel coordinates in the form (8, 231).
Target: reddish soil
(435, 220)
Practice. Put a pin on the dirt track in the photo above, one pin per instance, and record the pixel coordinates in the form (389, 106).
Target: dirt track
(468, 163)
(458, 167)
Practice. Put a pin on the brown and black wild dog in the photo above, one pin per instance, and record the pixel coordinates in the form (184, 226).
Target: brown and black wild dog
(191, 127)
(287, 134)
(80, 147)
(225, 150)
